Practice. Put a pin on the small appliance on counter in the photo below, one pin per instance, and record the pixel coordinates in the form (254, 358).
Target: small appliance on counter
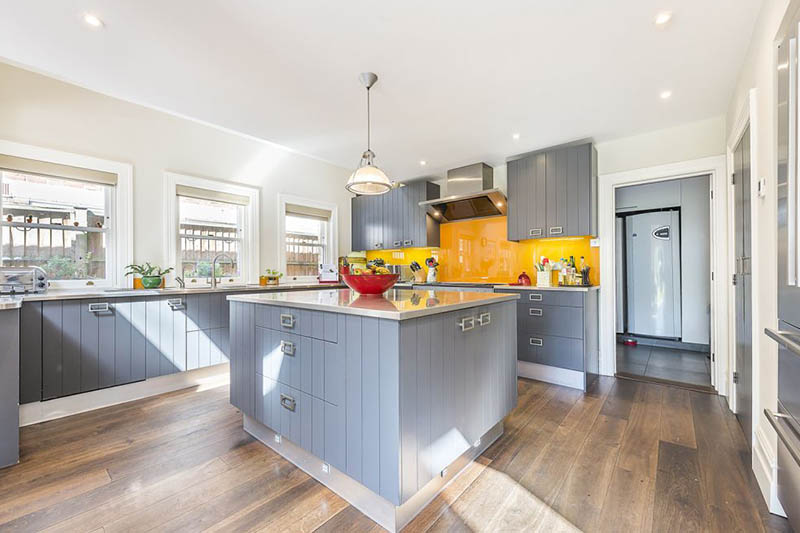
(328, 273)
(433, 269)
(19, 280)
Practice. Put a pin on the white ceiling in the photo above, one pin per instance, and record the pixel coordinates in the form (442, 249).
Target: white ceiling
(457, 77)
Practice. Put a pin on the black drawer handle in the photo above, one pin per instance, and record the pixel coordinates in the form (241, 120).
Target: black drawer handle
(408, 243)
(535, 297)
(287, 402)
(397, 244)
(536, 342)
(533, 311)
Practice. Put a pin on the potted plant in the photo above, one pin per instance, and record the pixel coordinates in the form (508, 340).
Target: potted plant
(271, 278)
(151, 276)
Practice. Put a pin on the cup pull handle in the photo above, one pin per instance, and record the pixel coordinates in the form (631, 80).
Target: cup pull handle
(287, 320)
(533, 311)
(287, 347)
(99, 308)
(535, 297)
(287, 402)
(536, 342)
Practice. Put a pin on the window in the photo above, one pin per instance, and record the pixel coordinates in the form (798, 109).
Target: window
(208, 228)
(307, 237)
(206, 218)
(59, 218)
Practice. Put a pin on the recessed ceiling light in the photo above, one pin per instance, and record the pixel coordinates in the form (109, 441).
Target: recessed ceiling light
(665, 95)
(515, 136)
(92, 20)
(663, 17)
(423, 163)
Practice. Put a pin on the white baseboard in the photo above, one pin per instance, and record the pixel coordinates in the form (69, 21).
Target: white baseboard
(209, 377)
(550, 374)
(765, 467)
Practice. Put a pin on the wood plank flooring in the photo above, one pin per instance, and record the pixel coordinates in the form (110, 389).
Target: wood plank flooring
(626, 456)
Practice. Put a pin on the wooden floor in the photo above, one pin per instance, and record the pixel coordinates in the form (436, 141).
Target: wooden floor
(627, 456)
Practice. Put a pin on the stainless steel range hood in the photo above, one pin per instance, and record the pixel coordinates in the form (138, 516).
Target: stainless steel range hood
(470, 194)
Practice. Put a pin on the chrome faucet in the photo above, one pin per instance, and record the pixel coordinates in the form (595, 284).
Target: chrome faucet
(180, 282)
(214, 268)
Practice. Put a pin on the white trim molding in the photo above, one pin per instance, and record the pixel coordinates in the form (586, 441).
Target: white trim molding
(205, 378)
(250, 246)
(713, 166)
(333, 228)
(765, 468)
(121, 208)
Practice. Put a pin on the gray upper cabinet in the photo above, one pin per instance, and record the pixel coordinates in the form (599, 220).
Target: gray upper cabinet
(395, 219)
(553, 193)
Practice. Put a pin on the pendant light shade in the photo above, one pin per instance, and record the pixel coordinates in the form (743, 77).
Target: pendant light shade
(368, 179)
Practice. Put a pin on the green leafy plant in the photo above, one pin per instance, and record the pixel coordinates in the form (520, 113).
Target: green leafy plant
(274, 273)
(147, 270)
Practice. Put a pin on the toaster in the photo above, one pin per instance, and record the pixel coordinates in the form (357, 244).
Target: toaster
(18, 280)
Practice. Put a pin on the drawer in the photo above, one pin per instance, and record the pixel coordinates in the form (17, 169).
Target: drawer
(563, 298)
(549, 350)
(295, 415)
(304, 322)
(550, 320)
(312, 366)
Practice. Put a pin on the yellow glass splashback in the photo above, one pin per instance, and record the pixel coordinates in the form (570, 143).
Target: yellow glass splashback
(478, 250)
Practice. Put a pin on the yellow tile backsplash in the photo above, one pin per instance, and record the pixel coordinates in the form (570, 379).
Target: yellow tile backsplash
(477, 250)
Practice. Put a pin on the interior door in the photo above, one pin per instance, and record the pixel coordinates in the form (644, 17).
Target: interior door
(743, 285)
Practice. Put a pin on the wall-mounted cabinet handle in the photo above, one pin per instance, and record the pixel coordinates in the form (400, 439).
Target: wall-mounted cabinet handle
(408, 243)
(287, 402)
(287, 347)
(378, 245)
(99, 308)
(397, 244)
(536, 342)
(535, 312)
(484, 319)
(535, 297)
(175, 303)
(287, 320)
(556, 230)
(466, 323)
(536, 232)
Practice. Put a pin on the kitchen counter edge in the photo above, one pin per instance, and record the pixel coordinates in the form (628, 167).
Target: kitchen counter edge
(486, 298)
(534, 288)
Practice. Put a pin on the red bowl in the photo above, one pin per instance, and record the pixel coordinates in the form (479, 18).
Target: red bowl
(370, 283)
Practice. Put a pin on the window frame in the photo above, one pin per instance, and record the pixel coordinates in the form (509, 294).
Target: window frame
(249, 254)
(333, 241)
(119, 200)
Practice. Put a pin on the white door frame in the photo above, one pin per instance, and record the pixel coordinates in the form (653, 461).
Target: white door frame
(714, 167)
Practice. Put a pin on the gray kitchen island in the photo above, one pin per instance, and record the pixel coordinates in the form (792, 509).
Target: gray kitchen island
(382, 399)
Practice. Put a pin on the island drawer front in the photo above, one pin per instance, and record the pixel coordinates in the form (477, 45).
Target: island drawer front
(549, 350)
(309, 365)
(566, 297)
(313, 424)
(304, 322)
(552, 320)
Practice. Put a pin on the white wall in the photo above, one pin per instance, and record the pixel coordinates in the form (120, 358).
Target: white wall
(694, 140)
(41, 111)
(757, 72)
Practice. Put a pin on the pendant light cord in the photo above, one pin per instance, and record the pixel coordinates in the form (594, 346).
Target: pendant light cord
(368, 132)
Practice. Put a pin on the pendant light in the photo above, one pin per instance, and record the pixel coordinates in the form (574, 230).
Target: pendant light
(368, 179)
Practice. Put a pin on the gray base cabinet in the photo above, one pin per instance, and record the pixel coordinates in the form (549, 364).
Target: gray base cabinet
(9, 387)
(553, 193)
(559, 328)
(389, 403)
(395, 219)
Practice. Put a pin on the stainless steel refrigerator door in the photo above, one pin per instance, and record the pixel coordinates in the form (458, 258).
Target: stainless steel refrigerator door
(654, 274)
(619, 271)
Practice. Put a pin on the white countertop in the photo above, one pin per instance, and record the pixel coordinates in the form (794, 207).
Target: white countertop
(577, 288)
(99, 292)
(394, 304)
(10, 302)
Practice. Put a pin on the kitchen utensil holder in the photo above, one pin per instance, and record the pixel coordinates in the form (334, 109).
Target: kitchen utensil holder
(543, 278)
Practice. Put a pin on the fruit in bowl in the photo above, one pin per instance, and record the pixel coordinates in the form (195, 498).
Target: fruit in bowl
(374, 279)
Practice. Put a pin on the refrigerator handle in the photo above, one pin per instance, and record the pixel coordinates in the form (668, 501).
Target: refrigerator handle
(789, 440)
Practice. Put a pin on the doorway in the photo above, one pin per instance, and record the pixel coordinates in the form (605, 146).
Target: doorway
(663, 303)
(742, 280)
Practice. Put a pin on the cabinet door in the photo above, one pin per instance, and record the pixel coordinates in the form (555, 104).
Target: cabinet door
(556, 187)
(30, 347)
(391, 238)
(586, 202)
(355, 223)
(512, 209)
(536, 175)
